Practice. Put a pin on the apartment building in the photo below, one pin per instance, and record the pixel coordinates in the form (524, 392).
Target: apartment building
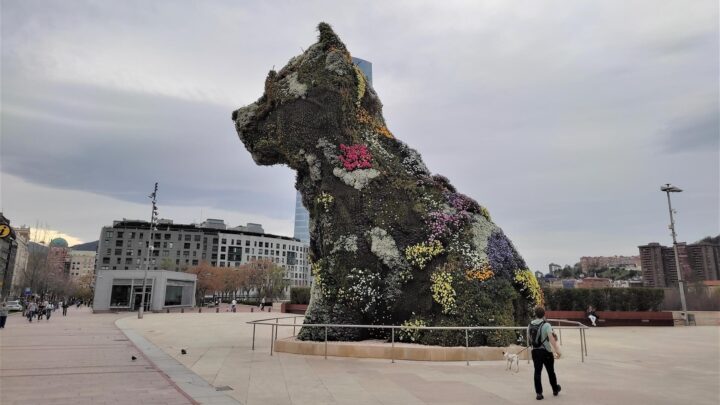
(125, 246)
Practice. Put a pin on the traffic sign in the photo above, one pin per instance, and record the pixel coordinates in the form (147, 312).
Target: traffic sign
(4, 231)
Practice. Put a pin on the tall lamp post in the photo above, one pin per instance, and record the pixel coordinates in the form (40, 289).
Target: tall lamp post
(153, 218)
(668, 188)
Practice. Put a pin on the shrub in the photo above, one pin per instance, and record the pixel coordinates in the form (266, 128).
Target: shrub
(300, 295)
(604, 299)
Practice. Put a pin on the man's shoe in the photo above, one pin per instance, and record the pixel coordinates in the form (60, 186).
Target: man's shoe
(557, 391)
(539, 397)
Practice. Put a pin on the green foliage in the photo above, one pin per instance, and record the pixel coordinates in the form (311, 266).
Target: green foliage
(409, 334)
(300, 295)
(603, 299)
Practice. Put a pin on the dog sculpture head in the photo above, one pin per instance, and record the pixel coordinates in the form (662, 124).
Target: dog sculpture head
(302, 101)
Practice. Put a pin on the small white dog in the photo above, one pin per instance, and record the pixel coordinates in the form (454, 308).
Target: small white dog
(512, 359)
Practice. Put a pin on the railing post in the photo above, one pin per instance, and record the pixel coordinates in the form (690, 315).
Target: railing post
(467, 348)
(527, 343)
(253, 344)
(294, 321)
(560, 335)
(276, 329)
(326, 343)
(272, 342)
(392, 347)
(585, 340)
(582, 346)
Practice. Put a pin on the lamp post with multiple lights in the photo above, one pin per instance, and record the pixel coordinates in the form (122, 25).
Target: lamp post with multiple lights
(668, 188)
(153, 219)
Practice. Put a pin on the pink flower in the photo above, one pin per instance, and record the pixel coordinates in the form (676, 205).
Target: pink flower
(355, 157)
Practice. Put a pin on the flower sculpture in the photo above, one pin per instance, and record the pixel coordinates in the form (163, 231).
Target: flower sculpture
(390, 242)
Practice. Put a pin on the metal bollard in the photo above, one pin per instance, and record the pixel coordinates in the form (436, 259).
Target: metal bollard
(252, 309)
(182, 310)
(467, 348)
(392, 347)
(168, 310)
(199, 310)
(217, 309)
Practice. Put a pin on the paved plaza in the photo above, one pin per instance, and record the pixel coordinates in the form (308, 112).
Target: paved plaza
(81, 359)
(85, 359)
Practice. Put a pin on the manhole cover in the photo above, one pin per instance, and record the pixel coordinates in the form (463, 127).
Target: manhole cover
(223, 388)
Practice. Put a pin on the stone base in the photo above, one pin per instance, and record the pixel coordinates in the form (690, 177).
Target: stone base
(379, 349)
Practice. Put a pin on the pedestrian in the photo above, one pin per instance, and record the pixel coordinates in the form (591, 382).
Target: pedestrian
(262, 303)
(41, 309)
(48, 311)
(65, 307)
(30, 311)
(545, 350)
(233, 305)
(592, 315)
(3, 314)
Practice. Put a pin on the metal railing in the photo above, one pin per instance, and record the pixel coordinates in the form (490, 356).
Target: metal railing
(275, 324)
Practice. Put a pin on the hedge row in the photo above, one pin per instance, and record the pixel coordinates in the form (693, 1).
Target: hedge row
(300, 295)
(603, 299)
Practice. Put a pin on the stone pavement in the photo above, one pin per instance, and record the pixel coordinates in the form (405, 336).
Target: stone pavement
(78, 359)
(626, 365)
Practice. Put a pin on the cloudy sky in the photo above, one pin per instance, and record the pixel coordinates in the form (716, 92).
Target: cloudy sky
(562, 117)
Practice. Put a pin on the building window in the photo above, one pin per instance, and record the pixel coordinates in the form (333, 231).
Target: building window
(223, 249)
(167, 236)
(142, 235)
(120, 234)
(222, 257)
(108, 234)
(195, 262)
(196, 238)
(170, 245)
(247, 243)
(173, 295)
(188, 237)
(224, 241)
(132, 235)
(118, 243)
(118, 252)
(106, 260)
(129, 252)
(186, 246)
(120, 296)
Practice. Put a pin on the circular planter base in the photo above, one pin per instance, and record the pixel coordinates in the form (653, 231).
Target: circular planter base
(379, 349)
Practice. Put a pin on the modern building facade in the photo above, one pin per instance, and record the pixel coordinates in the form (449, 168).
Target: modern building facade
(698, 262)
(302, 216)
(121, 290)
(176, 247)
(21, 257)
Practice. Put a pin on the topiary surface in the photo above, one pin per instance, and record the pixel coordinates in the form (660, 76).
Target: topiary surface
(390, 243)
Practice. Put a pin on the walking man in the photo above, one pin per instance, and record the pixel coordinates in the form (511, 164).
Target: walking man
(3, 314)
(233, 304)
(545, 350)
(65, 307)
(30, 311)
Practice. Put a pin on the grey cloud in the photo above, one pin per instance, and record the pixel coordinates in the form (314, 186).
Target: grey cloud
(697, 133)
(118, 143)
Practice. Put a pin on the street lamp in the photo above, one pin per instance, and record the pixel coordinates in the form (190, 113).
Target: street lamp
(153, 217)
(668, 188)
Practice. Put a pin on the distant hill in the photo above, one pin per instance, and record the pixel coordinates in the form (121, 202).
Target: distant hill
(89, 246)
(715, 240)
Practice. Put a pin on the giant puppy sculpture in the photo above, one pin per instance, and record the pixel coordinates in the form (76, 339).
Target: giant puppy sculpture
(390, 242)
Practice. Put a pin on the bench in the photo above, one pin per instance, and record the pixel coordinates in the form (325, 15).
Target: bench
(617, 318)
